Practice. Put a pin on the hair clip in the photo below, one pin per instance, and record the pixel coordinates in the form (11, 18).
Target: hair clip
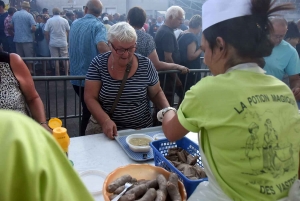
(258, 26)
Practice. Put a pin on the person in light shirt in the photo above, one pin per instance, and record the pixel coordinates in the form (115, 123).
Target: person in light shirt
(239, 101)
(284, 60)
(56, 33)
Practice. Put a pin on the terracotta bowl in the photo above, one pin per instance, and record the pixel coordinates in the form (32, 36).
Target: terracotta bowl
(139, 171)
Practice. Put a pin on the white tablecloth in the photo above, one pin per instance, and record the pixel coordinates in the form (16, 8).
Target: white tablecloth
(97, 152)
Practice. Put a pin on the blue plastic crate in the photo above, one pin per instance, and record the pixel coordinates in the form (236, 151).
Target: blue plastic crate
(160, 150)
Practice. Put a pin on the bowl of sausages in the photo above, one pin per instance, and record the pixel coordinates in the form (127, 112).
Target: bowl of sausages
(149, 183)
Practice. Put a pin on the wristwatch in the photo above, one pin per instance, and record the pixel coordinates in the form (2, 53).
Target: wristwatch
(165, 110)
(162, 112)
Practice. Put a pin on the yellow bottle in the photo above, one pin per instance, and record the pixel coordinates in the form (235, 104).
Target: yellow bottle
(62, 137)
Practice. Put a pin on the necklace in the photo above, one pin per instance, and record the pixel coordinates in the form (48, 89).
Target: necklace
(112, 67)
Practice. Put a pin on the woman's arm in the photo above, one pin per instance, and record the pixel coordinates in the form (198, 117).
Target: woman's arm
(172, 128)
(192, 52)
(91, 93)
(171, 125)
(157, 96)
(159, 65)
(27, 87)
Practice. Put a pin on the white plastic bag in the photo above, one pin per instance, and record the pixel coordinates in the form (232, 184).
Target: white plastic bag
(205, 191)
(294, 194)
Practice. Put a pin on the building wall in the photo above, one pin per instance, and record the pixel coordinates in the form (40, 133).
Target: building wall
(150, 6)
(291, 15)
(115, 6)
(110, 6)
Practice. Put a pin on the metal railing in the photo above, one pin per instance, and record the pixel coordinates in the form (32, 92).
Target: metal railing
(61, 101)
(46, 63)
(49, 63)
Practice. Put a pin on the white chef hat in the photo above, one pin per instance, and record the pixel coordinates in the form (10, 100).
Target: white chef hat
(215, 11)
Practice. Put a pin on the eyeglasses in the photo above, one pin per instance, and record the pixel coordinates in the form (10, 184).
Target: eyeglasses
(121, 51)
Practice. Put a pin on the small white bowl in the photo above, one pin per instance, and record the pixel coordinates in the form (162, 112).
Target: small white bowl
(159, 136)
(138, 148)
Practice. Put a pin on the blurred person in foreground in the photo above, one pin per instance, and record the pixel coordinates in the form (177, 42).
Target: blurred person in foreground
(284, 59)
(248, 122)
(190, 51)
(104, 79)
(17, 90)
(87, 40)
(145, 43)
(33, 166)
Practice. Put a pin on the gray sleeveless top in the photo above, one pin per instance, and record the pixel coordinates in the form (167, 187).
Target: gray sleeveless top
(11, 97)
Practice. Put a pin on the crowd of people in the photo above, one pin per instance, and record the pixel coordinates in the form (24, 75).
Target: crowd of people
(42, 41)
(246, 118)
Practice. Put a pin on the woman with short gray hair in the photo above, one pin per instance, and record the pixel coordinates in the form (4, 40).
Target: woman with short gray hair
(122, 32)
(106, 75)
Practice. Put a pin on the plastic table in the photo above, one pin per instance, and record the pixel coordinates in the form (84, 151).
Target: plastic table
(97, 152)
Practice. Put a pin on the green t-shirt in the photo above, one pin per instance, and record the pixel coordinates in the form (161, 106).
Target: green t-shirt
(250, 132)
(33, 167)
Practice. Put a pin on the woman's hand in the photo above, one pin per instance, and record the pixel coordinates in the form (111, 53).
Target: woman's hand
(109, 129)
(183, 69)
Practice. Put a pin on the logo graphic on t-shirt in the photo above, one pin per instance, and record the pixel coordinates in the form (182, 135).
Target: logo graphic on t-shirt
(253, 149)
(274, 155)
(277, 157)
(270, 146)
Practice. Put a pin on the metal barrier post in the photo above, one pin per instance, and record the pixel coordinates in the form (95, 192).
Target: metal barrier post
(65, 102)
(80, 116)
(48, 99)
(56, 98)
